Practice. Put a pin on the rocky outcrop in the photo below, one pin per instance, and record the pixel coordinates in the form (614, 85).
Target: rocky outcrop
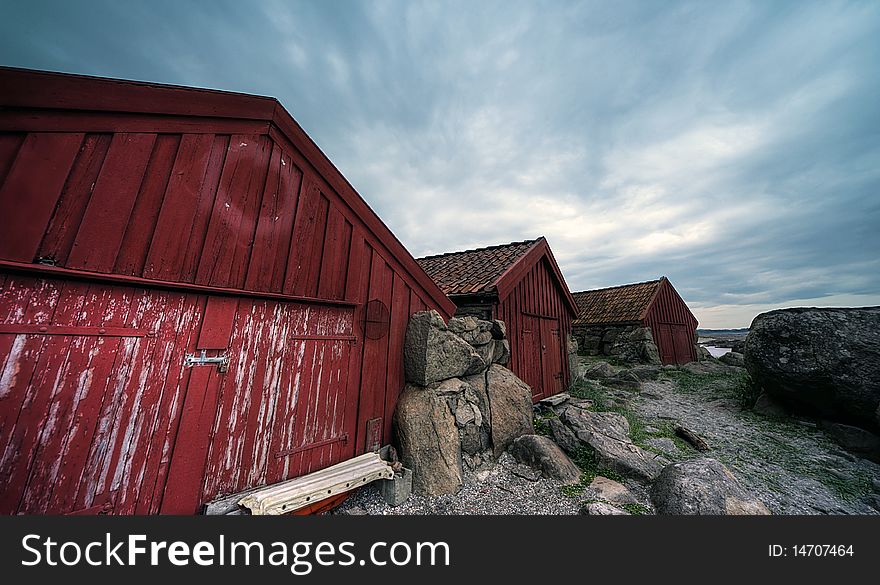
(429, 440)
(733, 358)
(702, 487)
(510, 406)
(433, 353)
(608, 490)
(461, 408)
(607, 434)
(598, 371)
(820, 361)
(544, 455)
(855, 439)
(636, 346)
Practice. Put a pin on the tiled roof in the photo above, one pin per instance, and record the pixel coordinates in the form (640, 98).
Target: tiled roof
(615, 304)
(473, 271)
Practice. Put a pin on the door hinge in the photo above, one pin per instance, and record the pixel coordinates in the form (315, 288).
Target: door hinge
(221, 361)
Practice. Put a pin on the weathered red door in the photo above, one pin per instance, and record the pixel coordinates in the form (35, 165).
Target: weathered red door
(104, 407)
(284, 408)
(530, 351)
(683, 344)
(665, 343)
(92, 381)
(551, 359)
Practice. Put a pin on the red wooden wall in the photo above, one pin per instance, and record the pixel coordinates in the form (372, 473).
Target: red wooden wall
(672, 325)
(538, 323)
(233, 232)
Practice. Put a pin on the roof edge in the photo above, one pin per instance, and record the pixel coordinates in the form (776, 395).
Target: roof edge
(506, 281)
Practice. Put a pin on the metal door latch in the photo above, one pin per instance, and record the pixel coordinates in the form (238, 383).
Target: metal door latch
(221, 361)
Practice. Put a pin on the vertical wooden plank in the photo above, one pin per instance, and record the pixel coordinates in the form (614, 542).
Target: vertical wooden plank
(190, 256)
(142, 223)
(168, 246)
(31, 191)
(399, 319)
(374, 381)
(247, 226)
(103, 225)
(306, 247)
(276, 217)
(10, 143)
(356, 290)
(172, 405)
(335, 261)
(74, 199)
(225, 233)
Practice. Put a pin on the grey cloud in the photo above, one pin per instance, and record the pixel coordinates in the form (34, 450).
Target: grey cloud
(732, 147)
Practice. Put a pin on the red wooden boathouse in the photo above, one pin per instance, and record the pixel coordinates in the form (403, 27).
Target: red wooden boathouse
(654, 304)
(194, 299)
(521, 284)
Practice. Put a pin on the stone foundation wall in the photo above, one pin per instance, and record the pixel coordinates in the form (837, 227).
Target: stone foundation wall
(461, 408)
(632, 343)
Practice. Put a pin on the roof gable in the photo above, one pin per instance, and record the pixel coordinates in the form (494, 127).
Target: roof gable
(493, 270)
(616, 304)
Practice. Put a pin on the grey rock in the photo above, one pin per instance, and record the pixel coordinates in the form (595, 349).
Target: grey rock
(703, 353)
(499, 329)
(607, 433)
(645, 372)
(598, 371)
(433, 353)
(543, 454)
(602, 509)
(712, 366)
(510, 407)
(822, 361)
(702, 487)
(555, 400)
(474, 331)
(873, 500)
(501, 353)
(768, 407)
(429, 440)
(733, 358)
(563, 436)
(610, 491)
(663, 444)
(854, 439)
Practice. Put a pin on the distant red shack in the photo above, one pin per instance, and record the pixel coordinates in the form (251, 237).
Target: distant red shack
(520, 284)
(605, 315)
(194, 299)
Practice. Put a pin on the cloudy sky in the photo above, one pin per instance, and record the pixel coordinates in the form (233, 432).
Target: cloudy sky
(732, 146)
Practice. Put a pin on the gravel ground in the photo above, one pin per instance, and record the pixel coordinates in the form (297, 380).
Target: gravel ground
(505, 488)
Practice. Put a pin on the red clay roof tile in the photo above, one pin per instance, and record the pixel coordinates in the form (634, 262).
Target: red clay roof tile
(473, 271)
(615, 304)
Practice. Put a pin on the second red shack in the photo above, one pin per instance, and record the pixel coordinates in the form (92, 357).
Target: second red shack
(520, 284)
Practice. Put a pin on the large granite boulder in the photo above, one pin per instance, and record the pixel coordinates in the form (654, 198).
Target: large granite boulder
(429, 439)
(702, 487)
(542, 454)
(819, 361)
(510, 407)
(432, 352)
(607, 434)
